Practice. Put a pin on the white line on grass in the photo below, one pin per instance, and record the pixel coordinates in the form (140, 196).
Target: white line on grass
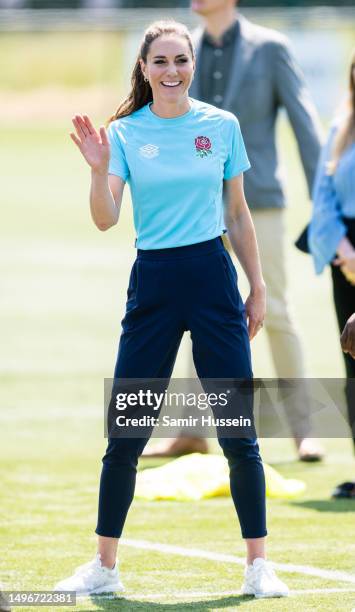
(223, 558)
(196, 594)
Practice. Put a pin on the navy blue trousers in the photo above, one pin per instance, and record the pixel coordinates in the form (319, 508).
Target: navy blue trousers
(171, 291)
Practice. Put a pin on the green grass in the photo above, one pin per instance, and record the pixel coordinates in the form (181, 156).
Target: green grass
(63, 288)
(61, 59)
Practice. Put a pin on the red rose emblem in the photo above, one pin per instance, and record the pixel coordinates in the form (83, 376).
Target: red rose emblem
(202, 142)
(203, 146)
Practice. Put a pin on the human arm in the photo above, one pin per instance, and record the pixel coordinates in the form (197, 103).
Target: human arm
(327, 232)
(293, 95)
(242, 237)
(105, 199)
(106, 190)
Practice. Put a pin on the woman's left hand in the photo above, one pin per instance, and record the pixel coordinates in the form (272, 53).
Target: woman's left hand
(255, 307)
(346, 262)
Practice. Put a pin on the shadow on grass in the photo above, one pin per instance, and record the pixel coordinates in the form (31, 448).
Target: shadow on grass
(330, 505)
(128, 605)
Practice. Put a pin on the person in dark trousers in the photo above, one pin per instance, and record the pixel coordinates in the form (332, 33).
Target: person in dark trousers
(332, 228)
(250, 71)
(175, 152)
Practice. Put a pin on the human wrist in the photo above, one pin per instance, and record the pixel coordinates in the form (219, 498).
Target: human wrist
(258, 288)
(345, 248)
(99, 172)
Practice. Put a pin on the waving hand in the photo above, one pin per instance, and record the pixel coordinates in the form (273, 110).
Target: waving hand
(93, 145)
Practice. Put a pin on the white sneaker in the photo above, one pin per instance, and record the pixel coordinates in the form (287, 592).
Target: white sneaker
(261, 581)
(92, 579)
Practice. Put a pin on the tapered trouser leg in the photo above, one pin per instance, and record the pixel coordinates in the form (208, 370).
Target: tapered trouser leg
(151, 334)
(221, 349)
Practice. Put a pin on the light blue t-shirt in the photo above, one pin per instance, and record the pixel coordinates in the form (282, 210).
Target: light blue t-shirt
(175, 169)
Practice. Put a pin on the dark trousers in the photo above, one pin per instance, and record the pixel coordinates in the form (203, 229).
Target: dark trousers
(344, 300)
(171, 291)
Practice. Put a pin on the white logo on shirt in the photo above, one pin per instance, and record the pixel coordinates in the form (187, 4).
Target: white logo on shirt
(149, 150)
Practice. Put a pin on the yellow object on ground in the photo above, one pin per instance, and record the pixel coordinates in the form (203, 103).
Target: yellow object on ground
(198, 476)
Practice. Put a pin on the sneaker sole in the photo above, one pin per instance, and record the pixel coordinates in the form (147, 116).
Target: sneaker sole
(108, 588)
(263, 595)
(116, 588)
(113, 588)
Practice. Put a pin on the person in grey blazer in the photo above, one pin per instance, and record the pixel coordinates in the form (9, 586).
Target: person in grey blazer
(249, 70)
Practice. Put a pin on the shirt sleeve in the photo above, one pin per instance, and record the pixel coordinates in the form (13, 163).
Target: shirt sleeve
(326, 228)
(237, 160)
(118, 163)
(292, 93)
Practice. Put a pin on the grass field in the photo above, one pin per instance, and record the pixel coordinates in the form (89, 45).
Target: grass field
(63, 288)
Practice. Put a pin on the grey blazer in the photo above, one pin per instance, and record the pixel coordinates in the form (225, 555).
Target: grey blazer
(263, 78)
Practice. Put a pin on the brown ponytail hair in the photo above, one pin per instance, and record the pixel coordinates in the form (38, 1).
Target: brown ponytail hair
(345, 135)
(141, 92)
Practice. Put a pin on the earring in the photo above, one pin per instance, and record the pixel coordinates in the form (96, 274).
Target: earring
(146, 80)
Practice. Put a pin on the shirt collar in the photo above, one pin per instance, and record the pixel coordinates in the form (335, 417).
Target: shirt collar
(228, 36)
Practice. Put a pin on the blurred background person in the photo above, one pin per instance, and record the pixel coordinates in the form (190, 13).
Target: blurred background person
(332, 228)
(249, 70)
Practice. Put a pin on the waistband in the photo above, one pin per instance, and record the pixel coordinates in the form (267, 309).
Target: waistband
(190, 250)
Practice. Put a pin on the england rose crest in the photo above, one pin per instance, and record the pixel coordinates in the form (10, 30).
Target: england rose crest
(203, 146)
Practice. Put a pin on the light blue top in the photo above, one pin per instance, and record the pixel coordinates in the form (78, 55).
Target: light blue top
(333, 198)
(175, 169)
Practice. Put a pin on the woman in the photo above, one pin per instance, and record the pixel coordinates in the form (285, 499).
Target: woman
(332, 231)
(175, 153)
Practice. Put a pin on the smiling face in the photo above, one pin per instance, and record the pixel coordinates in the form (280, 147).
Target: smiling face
(169, 68)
